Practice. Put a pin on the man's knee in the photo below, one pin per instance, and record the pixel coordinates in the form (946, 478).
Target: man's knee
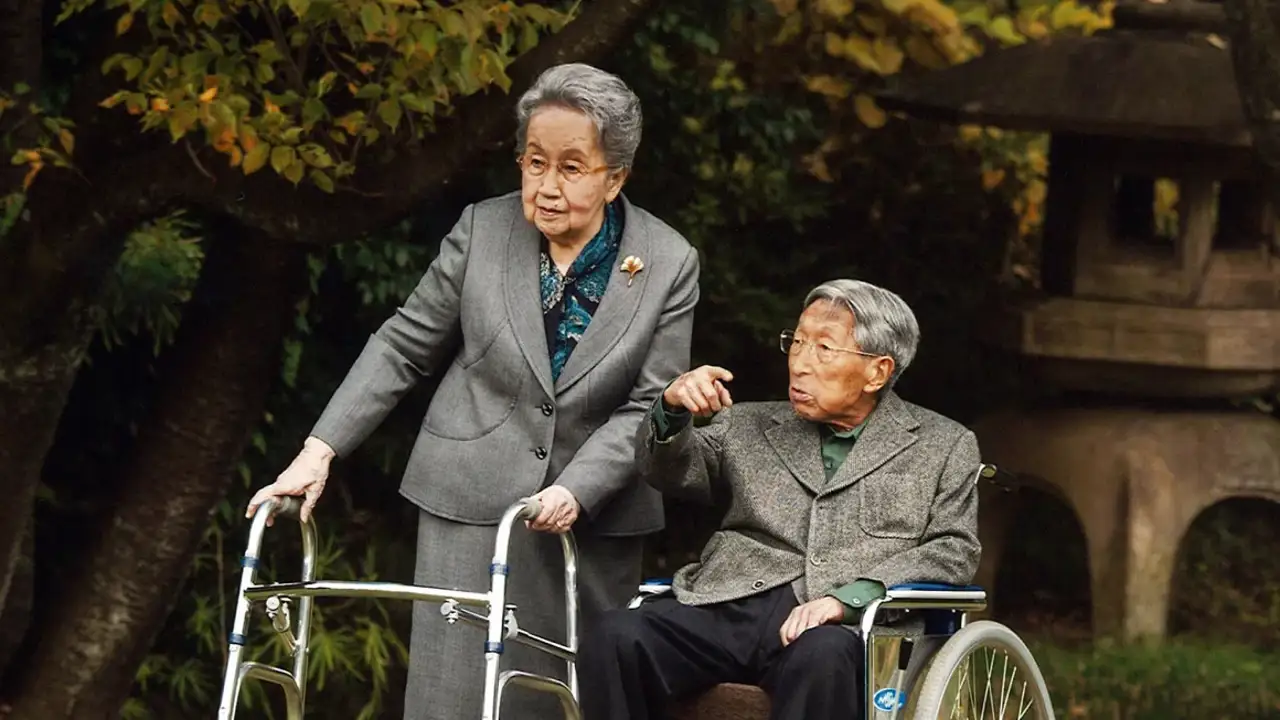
(615, 632)
(827, 648)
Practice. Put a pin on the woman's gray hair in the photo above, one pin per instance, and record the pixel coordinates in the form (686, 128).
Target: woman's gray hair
(883, 323)
(599, 95)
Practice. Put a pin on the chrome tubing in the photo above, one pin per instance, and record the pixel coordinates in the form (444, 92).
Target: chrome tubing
(237, 669)
(276, 596)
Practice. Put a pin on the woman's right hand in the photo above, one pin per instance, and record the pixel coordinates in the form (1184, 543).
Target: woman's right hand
(701, 391)
(306, 475)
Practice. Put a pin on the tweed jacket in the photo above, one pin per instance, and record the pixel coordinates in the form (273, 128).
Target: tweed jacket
(902, 508)
(498, 427)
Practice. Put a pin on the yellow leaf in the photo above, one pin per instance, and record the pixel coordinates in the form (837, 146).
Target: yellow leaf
(923, 53)
(1002, 29)
(969, 133)
(255, 158)
(170, 14)
(828, 85)
(938, 17)
(873, 24)
(293, 173)
(868, 112)
(1036, 192)
(282, 157)
(835, 8)
(160, 104)
(32, 156)
(785, 7)
(209, 95)
(248, 137)
(992, 178)
(858, 49)
(270, 106)
(236, 156)
(124, 23)
(888, 55)
(67, 140)
(31, 175)
(322, 181)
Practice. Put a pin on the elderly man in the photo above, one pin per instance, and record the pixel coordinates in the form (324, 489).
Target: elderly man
(844, 491)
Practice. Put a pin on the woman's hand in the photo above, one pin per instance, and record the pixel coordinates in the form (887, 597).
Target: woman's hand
(306, 475)
(559, 510)
(701, 391)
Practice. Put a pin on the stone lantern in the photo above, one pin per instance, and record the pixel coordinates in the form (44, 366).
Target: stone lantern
(1144, 330)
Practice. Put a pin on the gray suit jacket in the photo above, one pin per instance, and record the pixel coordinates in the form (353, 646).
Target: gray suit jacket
(497, 428)
(902, 508)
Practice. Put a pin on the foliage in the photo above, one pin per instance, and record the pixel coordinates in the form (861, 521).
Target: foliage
(30, 137)
(1172, 681)
(151, 281)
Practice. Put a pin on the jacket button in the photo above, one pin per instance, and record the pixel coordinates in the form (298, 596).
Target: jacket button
(547, 409)
(815, 560)
(540, 453)
(757, 584)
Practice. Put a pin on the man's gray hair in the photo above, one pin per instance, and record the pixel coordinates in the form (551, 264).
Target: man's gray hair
(599, 95)
(883, 323)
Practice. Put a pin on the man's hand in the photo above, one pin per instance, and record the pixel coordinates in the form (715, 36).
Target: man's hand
(823, 611)
(701, 391)
(559, 510)
(306, 475)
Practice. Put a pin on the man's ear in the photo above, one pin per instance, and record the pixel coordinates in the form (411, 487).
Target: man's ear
(878, 373)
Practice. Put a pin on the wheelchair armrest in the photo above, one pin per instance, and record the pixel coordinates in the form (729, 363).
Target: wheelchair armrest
(935, 596)
(649, 588)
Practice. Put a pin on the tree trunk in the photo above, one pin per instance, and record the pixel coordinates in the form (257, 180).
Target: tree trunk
(214, 385)
(1254, 29)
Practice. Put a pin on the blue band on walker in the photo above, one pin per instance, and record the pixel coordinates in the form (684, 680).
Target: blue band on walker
(237, 639)
(498, 569)
(493, 647)
(248, 562)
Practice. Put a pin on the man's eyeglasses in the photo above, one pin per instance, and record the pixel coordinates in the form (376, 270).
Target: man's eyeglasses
(792, 345)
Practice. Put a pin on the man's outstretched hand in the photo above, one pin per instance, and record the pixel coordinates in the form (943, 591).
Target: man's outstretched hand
(701, 391)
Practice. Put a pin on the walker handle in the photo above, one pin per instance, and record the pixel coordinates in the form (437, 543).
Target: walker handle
(532, 508)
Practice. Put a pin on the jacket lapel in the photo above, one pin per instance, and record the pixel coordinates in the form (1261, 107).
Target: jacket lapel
(617, 308)
(524, 299)
(888, 433)
(797, 443)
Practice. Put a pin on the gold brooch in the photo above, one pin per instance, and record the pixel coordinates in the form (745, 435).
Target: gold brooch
(631, 265)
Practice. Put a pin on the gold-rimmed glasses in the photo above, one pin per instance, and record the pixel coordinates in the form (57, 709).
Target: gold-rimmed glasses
(571, 171)
(825, 352)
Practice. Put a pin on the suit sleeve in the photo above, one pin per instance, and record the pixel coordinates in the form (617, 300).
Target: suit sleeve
(949, 551)
(604, 464)
(682, 461)
(412, 343)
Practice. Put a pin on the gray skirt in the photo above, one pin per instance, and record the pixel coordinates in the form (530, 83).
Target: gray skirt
(446, 662)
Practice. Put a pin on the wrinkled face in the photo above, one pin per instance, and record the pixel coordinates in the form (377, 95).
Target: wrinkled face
(565, 181)
(841, 390)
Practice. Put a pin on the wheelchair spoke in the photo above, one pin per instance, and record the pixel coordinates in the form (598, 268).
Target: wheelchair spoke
(990, 684)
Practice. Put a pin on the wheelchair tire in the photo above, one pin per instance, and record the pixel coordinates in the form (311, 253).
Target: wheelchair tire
(943, 695)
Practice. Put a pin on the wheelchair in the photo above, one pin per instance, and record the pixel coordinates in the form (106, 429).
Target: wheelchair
(924, 661)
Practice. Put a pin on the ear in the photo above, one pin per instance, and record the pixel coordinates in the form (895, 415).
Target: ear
(878, 373)
(616, 180)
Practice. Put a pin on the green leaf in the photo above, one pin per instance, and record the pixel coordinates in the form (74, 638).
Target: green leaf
(315, 155)
(417, 103)
(256, 158)
(369, 92)
(427, 39)
(264, 73)
(132, 66)
(322, 181)
(313, 111)
(390, 112)
(294, 172)
(299, 7)
(282, 158)
(292, 135)
(371, 18)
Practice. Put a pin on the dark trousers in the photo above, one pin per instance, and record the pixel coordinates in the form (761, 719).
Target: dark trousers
(634, 662)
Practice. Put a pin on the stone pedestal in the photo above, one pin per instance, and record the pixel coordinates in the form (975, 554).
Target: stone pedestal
(1136, 480)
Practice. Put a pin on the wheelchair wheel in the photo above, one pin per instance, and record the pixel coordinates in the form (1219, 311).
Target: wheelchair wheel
(983, 672)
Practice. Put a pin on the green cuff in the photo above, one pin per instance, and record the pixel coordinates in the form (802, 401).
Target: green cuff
(856, 596)
(668, 423)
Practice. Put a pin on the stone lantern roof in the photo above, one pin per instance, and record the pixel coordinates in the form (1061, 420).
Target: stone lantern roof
(1162, 72)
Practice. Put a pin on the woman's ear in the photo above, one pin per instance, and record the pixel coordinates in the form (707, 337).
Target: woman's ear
(617, 178)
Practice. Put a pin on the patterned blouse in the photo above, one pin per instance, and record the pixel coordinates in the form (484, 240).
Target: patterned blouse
(569, 300)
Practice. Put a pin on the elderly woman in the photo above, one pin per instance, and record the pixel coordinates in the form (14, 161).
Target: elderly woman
(554, 317)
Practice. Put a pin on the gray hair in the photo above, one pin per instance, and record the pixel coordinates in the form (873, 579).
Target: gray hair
(883, 323)
(599, 95)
